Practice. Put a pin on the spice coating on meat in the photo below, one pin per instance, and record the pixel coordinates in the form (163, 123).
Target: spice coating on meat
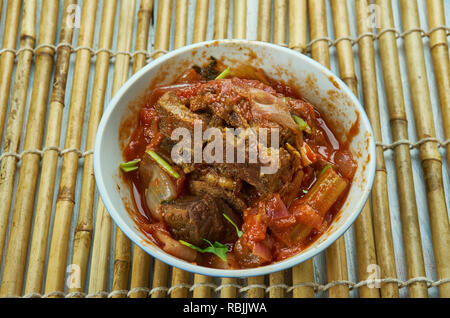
(202, 187)
(195, 218)
(173, 114)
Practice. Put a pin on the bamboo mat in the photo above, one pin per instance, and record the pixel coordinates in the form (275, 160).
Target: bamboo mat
(62, 61)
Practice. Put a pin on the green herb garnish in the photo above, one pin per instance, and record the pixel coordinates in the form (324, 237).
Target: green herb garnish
(325, 169)
(223, 74)
(130, 165)
(239, 232)
(163, 163)
(305, 191)
(302, 124)
(217, 248)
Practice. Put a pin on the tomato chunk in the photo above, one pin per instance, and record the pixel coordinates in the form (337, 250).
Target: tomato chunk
(305, 214)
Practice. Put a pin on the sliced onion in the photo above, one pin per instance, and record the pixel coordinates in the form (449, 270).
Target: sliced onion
(308, 155)
(175, 248)
(345, 163)
(276, 209)
(262, 250)
(160, 186)
(270, 107)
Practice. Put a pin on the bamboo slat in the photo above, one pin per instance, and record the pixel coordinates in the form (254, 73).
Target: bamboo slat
(335, 254)
(201, 21)
(228, 288)
(122, 251)
(162, 39)
(264, 20)
(16, 254)
(318, 29)
(256, 289)
(298, 25)
(298, 29)
(16, 114)
(7, 60)
(181, 16)
(221, 19)
(363, 225)
(140, 271)
(279, 21)
(35, 269)
(399, 127)
(84, 228)
(202, 286)
(429, 152)
(122, 260)
(344, 48)
(441, 61)
(180, 278)
(98, 274)
(240, 19)
(66, 200)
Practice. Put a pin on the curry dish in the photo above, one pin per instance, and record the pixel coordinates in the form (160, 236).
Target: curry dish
(230, 214)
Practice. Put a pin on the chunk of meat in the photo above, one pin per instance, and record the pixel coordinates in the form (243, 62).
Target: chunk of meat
(253, 174)
(199, 188)
(173, 114)
(243, 103)
(251, 170)
(268, 107)
(195, 218)
(211, 176)
(209, 181)
(165, 151)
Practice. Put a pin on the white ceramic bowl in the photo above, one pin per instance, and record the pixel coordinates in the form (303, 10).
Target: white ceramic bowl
(317, 84)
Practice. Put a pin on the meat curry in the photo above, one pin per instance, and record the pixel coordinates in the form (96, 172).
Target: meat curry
(229, 215)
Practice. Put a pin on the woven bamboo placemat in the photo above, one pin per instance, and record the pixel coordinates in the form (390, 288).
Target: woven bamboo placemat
(62, 61)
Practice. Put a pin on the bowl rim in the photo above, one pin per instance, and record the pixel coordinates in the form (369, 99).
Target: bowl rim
(131, 233)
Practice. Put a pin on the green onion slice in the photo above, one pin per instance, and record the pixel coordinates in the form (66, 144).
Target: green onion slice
(217, 248)
(302, 124)
(130, 165)
(325, 169)
(224, 74)
(239, 232)
(163, 163)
